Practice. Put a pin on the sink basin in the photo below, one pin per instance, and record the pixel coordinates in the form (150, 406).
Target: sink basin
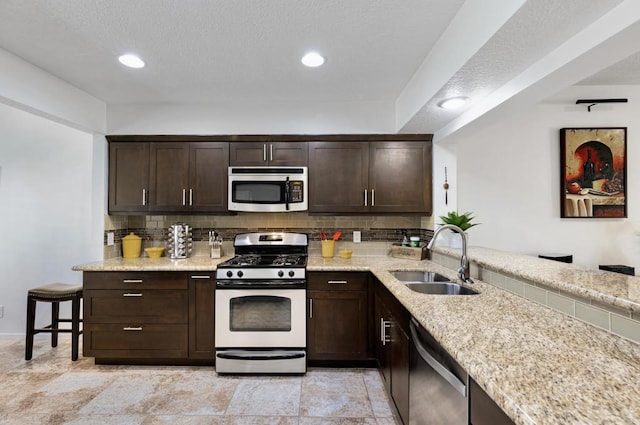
(431, 283)
(440, 288)
(420, 277)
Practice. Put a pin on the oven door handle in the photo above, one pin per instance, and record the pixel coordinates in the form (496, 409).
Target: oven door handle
(260, 355)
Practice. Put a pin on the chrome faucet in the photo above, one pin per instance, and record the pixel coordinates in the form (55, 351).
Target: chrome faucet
(463, 270)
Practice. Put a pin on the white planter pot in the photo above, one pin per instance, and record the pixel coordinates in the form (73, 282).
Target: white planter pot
(455, 240)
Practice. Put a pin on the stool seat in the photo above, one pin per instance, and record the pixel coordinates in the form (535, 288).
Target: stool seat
(54, 293)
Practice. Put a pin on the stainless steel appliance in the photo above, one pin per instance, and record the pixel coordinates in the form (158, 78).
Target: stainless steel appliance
(268, 189)
(180, 241)
(437, 383)
(260, 306)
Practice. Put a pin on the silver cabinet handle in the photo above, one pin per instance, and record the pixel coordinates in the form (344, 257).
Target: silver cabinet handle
(184, 197)
(310, 308)
(336, 282)
(365, 198)
(384, 325)
(132, 281)
(190, 197)
(373, 197)
(200, 277)
(128, 294)
(270, 152)
(144, 196)
(264, 152)
(130, 328)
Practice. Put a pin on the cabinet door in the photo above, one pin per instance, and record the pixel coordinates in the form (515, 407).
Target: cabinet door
(169, 177)
(400, 370)
(247, 154)
(201, 316)
(208, 166)
(382, 339)
(337, 325)
(483, 410)
(400, 177)
(287, 154)
(128, 177)
(338, 177)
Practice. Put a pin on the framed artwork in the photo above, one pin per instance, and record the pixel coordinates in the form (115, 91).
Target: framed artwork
(593, 172)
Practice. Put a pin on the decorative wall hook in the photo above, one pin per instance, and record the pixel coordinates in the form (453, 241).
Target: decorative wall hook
(593, 102)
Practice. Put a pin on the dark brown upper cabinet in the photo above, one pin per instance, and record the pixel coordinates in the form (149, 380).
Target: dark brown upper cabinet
(268, 153)
(370, 177)
(128, 177)
(167, 177)
(188, 177)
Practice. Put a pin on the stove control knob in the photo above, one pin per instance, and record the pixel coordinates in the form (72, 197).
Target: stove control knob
(280, 273)
(291, 273)
(229, 273)
(240, 274)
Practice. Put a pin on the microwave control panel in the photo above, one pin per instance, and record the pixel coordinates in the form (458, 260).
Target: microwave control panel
(297, 191)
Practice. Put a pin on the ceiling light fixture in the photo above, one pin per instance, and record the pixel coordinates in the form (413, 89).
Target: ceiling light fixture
(132, 61)
(453, 102)
(312, 60)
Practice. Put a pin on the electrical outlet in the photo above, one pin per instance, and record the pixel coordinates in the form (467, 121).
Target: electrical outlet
(1, 311)
(110, 239)
(356, 236)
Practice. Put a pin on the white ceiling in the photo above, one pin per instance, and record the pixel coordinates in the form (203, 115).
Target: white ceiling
(239, 51)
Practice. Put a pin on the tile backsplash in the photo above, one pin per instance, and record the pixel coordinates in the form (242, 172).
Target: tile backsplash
(377, 232)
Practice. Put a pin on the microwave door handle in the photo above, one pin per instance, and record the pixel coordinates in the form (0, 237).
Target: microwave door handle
(287, 192)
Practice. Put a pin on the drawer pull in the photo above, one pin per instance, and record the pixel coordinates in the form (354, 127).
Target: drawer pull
(131, 328)
(128, 294)
(337, 282)
(200, 277)
(132, 281)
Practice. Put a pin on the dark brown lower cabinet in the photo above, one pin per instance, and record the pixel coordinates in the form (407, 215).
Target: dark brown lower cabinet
(483, 410)
(202, 288)
(135, 315)
(393, 347)
(337, 316)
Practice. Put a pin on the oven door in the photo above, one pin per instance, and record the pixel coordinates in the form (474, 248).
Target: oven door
(267, 189)
(260, 318)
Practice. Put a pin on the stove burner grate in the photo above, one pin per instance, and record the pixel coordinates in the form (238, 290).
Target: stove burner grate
(245, 260)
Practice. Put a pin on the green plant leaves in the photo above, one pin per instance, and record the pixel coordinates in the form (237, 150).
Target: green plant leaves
(463, 221)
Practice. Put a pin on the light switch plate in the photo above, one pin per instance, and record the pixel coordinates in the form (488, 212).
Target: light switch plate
(356, 236)
(110, 237)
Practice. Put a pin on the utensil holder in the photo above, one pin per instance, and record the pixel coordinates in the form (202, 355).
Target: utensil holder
(328, 248)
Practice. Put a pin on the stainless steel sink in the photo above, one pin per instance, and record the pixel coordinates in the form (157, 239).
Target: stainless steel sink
(431, 283)
(440, 288)
(406, 277)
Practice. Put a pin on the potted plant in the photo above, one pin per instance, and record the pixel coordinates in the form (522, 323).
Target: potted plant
(463, 221)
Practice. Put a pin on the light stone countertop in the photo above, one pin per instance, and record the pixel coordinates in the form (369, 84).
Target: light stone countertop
(540, 366)
(616, 289)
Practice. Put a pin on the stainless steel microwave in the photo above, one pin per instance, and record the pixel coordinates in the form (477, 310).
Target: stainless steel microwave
(268, 189)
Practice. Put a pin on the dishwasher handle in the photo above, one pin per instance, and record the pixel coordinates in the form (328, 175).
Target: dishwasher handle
(431, 361)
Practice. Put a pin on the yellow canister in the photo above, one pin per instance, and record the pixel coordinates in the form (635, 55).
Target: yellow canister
(131, 245)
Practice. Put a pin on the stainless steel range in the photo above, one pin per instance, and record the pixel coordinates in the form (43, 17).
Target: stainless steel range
(261, 305)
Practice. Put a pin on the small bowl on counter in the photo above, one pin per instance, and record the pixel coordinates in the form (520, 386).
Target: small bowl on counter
(154, 251)
(345, 253)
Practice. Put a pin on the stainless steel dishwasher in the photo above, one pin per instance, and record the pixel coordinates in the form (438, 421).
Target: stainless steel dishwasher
(437, 383)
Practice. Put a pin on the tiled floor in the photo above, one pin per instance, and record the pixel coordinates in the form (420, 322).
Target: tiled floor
(51, 389)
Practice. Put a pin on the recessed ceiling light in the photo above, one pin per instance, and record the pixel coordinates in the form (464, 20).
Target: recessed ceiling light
(132, 61)
(453, 102)
(312, 59)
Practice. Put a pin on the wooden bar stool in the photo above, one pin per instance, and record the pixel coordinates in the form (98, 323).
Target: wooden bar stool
(54, 293)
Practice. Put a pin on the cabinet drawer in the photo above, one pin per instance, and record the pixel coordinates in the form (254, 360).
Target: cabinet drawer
(135, 306)
(337, 281)
(138, 341)
(134, 280)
